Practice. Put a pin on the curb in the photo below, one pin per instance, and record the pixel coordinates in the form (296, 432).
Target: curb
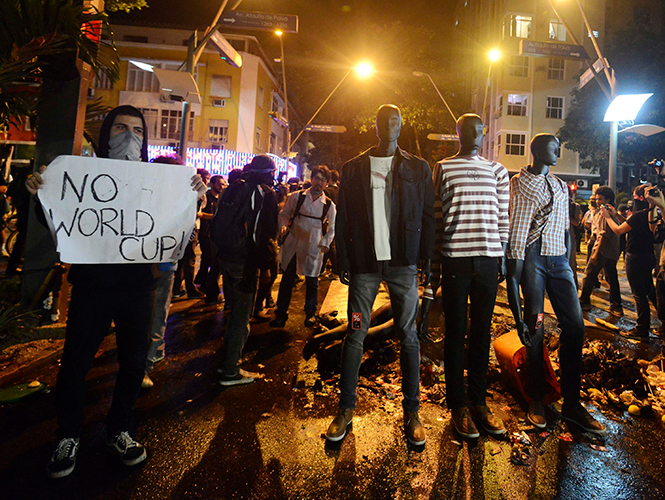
(12, 376)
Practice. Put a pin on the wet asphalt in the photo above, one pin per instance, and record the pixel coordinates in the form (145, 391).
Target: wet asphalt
(264, 440)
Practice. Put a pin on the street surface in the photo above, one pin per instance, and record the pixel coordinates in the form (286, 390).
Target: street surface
(264, 440)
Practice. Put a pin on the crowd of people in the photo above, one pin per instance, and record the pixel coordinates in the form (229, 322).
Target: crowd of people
(465, 226)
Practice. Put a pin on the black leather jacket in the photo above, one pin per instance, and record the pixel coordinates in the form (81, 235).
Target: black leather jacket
(411, 214)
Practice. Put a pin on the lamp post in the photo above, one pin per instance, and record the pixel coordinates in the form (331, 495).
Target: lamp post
(493, 55)
(419, 74)
(363, 70)
(286, 100)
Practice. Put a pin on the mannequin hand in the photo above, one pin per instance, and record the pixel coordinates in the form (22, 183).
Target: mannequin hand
(345, 277)
(198, 186)
(502, 269)
(35, 181)
(426, 273)
(423, 330)
(523, 333)
(323, 249)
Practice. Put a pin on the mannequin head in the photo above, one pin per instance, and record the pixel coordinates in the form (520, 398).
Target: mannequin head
(388, 123)
(545, 149)
(470, 130)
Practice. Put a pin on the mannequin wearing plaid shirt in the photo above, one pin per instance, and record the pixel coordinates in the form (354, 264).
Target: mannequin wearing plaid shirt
(537, 261)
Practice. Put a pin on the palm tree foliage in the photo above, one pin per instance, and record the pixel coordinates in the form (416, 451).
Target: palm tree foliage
(34, 37)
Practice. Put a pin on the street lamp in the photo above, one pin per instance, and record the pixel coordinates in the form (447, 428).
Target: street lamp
(493, 55)
(363, 70)
(419, 74)
(286, 100)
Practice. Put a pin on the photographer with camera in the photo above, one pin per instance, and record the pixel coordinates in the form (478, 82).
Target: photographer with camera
(640, 259)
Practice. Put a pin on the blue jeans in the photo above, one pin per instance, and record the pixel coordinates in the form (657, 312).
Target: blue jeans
(156, 346)
(554, 275)
(403, 287)
(286, 290)
(639, 267)
(461, 278)
(242, 288)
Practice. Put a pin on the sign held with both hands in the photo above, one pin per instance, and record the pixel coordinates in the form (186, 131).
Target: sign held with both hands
(103, 211)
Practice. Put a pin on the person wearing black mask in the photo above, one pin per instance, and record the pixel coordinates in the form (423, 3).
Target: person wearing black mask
(640, 258)
(101, 294)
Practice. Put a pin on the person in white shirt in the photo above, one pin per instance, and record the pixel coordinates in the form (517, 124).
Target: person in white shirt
(305, 217)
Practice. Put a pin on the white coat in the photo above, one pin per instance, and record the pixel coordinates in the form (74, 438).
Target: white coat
(305, 235)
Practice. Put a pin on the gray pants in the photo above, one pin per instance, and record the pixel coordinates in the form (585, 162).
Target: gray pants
(156, 347)
(243, 290)
(403, 287)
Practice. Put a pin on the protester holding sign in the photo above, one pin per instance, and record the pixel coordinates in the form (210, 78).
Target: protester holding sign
(101, 293)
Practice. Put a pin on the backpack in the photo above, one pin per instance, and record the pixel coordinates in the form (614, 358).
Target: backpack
(228, 227)
(324, 222)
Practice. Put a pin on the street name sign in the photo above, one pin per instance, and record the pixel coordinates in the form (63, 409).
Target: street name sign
(103, 211)
(261, 21)
(330, 129)
(587, 76)
(442, 137)
(228, 53)
(552, 49)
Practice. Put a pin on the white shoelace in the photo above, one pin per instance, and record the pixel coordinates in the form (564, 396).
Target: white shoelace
(126, 440)
(66, 448)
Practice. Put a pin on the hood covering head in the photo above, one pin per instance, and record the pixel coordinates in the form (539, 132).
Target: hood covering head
(105, 132)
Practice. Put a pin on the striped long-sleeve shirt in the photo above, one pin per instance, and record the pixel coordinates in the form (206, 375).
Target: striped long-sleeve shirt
(474, 194)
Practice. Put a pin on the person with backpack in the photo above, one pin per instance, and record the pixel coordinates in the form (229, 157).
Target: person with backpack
(244, 230)
(307, 226)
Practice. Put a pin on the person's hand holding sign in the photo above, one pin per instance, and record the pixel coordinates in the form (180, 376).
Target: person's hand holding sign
(35, 181)
(199, 186)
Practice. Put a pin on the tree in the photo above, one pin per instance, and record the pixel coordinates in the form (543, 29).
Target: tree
(636, 55)
(126, 6)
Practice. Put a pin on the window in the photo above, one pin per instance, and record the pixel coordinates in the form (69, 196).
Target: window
(102, 81)
(517, 104)
(498, 145)
(515, 144)
(557, 30)
(276, 104)
(272, 146)
(218, 130)
(260, 97)
(170, 124)
(517, 26)
(258, 138)
(499, 106)
(554, 108)
(151, 120)
(139, 80)
(220, 86)
(555, 69)
(519, 66)
(135, 38)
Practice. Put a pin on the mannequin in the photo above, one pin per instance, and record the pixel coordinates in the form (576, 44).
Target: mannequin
(537, 260)
(474, 195)
(385, 226)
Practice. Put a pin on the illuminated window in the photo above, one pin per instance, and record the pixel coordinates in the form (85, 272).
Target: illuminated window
(139, 80)
(170, 124)
(517, 26)
(102, 81)
(557, 30)
(518, 66)
(554, 108)
(498, 145)
(151, 120)
(517, 104)
(499, 106)
(515, 144)
(555, 69)
(218, 130)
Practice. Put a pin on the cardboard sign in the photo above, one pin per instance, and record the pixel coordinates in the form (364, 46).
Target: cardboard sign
(103, 211)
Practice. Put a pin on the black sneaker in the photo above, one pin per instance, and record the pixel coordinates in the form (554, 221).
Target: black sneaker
(279, 322)
(129, 451)
(178, 295)
(310, 321)
(586, 306)
(240, 378)
(63, 460)
(616, 310)
(635, 334)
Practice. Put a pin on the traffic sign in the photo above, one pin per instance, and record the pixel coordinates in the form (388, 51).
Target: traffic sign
(588, 74)
(330, 129)
(261, 21)
(442, 137)
(228, 53)
(552, 49)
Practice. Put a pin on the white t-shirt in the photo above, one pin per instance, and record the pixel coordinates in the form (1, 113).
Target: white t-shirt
(381, 168)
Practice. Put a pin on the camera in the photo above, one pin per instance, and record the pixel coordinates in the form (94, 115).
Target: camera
(658, 166)
(653, 192)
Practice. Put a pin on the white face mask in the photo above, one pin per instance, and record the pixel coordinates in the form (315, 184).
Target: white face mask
(126, 146)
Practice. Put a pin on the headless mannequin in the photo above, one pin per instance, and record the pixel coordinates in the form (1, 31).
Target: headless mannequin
(388, 128)
(545, 150)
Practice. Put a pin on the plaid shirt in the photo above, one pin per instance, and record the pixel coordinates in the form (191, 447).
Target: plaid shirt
(538, 209)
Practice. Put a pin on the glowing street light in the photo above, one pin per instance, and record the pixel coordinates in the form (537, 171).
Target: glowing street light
(419, 74)
(363, 70)
(493, 55)
(624, 108)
